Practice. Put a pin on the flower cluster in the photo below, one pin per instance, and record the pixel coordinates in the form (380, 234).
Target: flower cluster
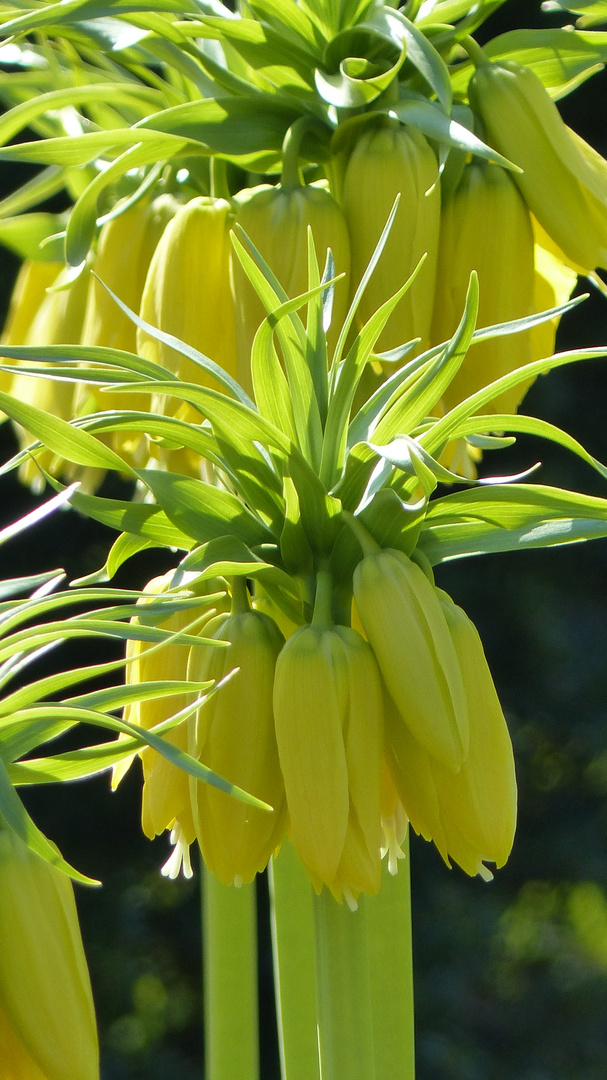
(344, 733)
(169, 259)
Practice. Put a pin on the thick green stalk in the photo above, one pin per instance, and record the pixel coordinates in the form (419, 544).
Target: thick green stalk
(229, 922)
(292, 919)
(391, 974)
(345, 1020)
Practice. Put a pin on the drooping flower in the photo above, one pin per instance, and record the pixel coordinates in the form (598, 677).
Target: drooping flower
(234, 736)
(276, 220)
(406, 628)
(329, 726)
(57, 321)
(165, 801)
(564, 181)
(387, 161)
(470, 815)
(486, 215)
(47, 1018)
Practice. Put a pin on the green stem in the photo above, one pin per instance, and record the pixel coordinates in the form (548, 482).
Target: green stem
(322, 616)
(477, 55)
(290, 153)
(391, 974)
(230, 980)
(219, 179)
(240, 595)
(292, 920)
(345, 1019)
(362, 534)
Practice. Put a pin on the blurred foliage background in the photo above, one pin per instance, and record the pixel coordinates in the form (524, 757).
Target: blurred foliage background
(511, 976)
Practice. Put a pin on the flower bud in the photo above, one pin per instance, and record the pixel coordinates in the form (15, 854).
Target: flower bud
(187, 293)
(125, 248)
(276, 220)
(471, 815)
(234, 736)
(406, 628)
(329, 726)
(47, 1017)
(166, 794)
(564, 181)
(486, 227)
(33, 279)
(58, 321)
(385, 162)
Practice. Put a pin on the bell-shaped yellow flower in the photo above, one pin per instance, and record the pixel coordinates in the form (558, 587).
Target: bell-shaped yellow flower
(33, 279)
(471, 815)
(125, 249)
(564, 181)
(47, 1018)
(165, 802)
(58, 321)
(276, 220)
(555, 280)
(387, 161)
(234, 736)
(486, 227)
(329, 726)
(406, 628)
(187, 291)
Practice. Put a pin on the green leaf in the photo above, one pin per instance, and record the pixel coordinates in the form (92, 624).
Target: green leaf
(530, 425)
(17, 818)
(71, 11)
(230, 127)
(362, 61)
(347, 378)
(148, 738)
(427, 388)
(392, 522)
(124, 93)
(140, 519)
(509, 517)
(43, 186)
(420, 52)
(203, 511)
(441, 432)
(63, 438)
(562, 59)
(228, 556)
(430, 118)
(66, 150)
(25, 233)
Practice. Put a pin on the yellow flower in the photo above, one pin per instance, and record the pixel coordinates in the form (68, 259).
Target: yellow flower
(406, 628)
(329, 726)
(486, 227)
(555, 280)
(276, 220)
(187, 294)
(165, 802)
(564, 181)
(33, 279)
(58, 321)
(47, 1017)
(470, 815)
(234, 736)
(387, 161)
(125, 248)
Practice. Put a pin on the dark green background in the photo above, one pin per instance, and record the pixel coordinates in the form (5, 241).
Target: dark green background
(511, 977)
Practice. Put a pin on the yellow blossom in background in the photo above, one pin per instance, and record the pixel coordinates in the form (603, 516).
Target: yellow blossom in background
(276, 220)
(385, 162)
